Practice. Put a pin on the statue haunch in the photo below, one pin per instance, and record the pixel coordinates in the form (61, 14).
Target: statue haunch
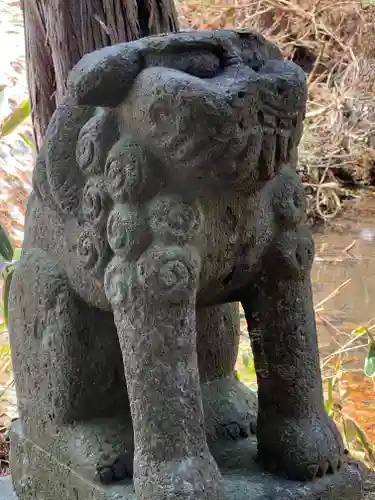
(165, 192)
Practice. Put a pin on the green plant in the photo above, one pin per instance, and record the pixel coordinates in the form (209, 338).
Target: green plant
(16, 117)
(355, 438)
(8, 261)
(8, 255)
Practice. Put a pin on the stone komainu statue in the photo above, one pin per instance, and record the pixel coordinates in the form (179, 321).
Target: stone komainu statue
(165, 193)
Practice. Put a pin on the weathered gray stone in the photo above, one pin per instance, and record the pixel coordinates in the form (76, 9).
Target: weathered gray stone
(243, 478)
(166, 191)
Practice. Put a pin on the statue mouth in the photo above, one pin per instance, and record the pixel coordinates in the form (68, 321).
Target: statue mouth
(268, 109)
(264, 149)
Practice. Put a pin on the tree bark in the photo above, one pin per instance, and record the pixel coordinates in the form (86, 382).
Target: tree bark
(60, 32)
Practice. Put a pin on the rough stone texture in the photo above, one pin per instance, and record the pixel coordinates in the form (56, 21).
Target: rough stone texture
(369, 486)
(7, 492)
(243, 478)
(165, 192)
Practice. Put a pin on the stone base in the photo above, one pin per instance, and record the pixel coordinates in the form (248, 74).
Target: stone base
(37, 475)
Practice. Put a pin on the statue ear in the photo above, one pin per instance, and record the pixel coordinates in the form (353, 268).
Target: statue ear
(104, 77)
(222, 43)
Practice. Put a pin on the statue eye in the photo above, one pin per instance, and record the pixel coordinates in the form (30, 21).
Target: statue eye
(160, 112)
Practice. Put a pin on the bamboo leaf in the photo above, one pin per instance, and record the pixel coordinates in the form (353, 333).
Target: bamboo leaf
(5, 349)
(330, 400)
(6, 247)
(27, 141)
(6, 289)
(350, 430)
(359, 331)
(15, 118)
(252, 371)
(369, 368)
(245, 361)
(17, 254)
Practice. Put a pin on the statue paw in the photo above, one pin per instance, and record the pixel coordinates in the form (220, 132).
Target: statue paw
(100, 450)
(116, 468)
(300, 449)
(186, 478)
(230, 409)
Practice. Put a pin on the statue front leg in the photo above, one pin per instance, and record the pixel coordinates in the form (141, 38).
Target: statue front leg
(153, 301)
(295, 434)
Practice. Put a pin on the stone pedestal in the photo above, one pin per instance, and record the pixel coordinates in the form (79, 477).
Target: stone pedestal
(38, 475)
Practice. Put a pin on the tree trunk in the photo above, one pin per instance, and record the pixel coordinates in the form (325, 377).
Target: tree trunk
(60, 32)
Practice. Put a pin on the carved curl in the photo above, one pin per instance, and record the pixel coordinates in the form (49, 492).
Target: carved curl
(95, 140)
(126, 170)
(173, 220)
(169, 273)
(119, 281)
(93, 250)
(95, 202)
(127, 231)
(64, 177)
(76, 146)
(86, 153)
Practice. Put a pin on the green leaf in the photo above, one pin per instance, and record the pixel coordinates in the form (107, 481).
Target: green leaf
(15, 118)
(17, 254)
(369, 368)
(329, 402)
(4, 271)
(360, 331)
(27, 141)
(252, 368)
(6, 247)
(246, 360)
(249, 364)
(6, 289)
(350, 430)
(5, 349)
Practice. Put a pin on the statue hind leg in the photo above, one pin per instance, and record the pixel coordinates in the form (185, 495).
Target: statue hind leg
(68, 373)
(229, 406)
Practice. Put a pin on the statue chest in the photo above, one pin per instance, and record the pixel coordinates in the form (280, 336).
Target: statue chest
(237, 230)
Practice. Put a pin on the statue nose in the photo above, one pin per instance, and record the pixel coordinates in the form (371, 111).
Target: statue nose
(245, 102)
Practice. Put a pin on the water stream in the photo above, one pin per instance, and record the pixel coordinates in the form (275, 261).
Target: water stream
(344, 268)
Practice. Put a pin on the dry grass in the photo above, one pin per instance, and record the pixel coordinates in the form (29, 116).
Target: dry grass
(334, 43)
